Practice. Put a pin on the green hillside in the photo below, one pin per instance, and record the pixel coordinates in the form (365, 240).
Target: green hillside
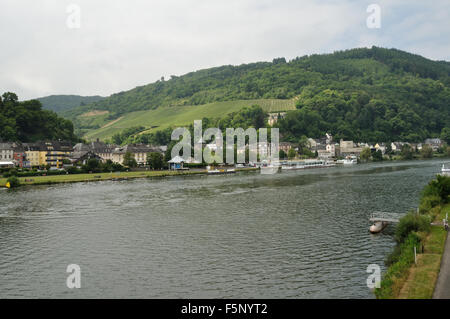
(60, 103)
(27, 122)
(165, 117)
(363, 94)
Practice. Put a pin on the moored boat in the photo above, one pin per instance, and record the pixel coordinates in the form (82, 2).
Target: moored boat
(378, 227)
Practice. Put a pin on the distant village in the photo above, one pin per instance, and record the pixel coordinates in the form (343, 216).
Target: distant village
(58, 154)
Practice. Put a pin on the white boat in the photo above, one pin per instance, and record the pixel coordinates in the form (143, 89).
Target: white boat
(378, 227)
(349, 162)
(445, 170)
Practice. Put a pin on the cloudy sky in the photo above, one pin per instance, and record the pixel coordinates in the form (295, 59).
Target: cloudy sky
(121, 44)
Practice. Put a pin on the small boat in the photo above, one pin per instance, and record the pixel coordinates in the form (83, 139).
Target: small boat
(220, 171)
(378, 227)
(349, 162)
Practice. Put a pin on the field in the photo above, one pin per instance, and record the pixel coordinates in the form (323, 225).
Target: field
(164, 117)
(73, 178)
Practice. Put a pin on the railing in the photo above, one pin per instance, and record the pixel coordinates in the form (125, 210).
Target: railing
(384, 217)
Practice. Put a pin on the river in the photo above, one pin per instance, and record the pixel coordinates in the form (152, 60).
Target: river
(296, 234)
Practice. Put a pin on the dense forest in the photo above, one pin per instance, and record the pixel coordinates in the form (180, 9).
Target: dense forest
(362, 94)
(59, 103)
(28, 122)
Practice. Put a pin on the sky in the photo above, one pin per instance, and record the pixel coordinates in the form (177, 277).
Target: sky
(101, 47)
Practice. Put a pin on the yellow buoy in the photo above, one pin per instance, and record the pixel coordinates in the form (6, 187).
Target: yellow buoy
(8, 185)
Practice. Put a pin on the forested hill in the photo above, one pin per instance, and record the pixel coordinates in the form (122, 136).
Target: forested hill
(27, 122)
(364, 94)
(59, 103)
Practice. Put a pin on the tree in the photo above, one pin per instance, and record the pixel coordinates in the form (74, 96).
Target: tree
(292, 153)
(388, 149)
(92, 165)
(426, 151)
(365, 155)
(377, 156)
(155, 160)
(282, 154)
(303, 144)
(445, 135)
(406, 152)
(128, 160)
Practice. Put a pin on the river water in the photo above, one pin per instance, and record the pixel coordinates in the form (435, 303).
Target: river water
(296, 234)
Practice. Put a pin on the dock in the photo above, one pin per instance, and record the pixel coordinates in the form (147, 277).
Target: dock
(384, 217)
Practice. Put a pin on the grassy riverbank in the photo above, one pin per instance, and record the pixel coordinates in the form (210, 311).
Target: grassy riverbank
(422, 276)
(404, 278)
(73, 178)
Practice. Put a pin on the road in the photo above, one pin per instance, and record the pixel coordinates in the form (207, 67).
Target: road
(442, 289)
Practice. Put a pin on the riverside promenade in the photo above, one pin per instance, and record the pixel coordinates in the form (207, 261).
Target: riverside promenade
(442, 289)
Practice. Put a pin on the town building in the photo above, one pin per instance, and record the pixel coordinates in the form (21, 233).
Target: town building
(6, 152)
(285, 146)
(32, 154)
(274, 117)
(138, 151)
(57, 152)
(435, 143)
(349, 148)
(20, 155)
(380, 147)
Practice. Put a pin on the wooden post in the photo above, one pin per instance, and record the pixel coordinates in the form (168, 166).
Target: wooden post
(415, 255)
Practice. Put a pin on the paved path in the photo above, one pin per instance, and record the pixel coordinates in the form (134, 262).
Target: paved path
(442, 289)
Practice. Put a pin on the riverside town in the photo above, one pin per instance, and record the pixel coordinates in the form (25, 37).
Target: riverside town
(225, 159)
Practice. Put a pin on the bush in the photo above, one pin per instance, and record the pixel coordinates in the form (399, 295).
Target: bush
(439, 187)
(74, 170)
(409, 223)
(13, 181)
(428, 202)
(10, 172)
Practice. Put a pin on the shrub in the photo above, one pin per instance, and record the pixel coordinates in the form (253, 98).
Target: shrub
(409, 223)
(13, 181)
(439, 187)
(428, 202)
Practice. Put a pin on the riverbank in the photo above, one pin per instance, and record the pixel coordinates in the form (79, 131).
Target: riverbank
(74, 178)
(422, 278)
(410, 276)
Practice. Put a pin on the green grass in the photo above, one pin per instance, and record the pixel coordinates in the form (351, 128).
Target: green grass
(71, 178)
(423, 276)
(404, 279)
(164, 117)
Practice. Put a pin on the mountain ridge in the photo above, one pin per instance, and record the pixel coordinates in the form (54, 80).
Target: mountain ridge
(351, 92)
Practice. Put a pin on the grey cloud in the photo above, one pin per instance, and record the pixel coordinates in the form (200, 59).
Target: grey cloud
(122, 44)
